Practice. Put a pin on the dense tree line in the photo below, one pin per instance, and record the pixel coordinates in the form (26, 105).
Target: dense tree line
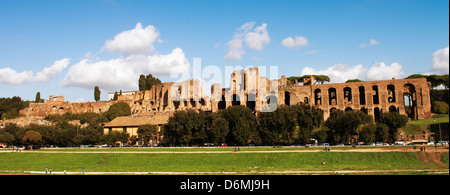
(9, 107)
(147, 82)
(61, 133)
(342, 127)
(286, 126)
(239, 125)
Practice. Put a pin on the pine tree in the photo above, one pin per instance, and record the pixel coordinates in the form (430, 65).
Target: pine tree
(142, 83)
(97, 93)
(38, 97)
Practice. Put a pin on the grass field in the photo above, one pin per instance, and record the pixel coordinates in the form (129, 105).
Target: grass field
(214, 162)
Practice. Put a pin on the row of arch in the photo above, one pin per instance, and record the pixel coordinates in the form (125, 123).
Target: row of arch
(391, 94)
(250, 102)
(376, 111)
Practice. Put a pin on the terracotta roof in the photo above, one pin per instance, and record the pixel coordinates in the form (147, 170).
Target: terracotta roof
(134, 121)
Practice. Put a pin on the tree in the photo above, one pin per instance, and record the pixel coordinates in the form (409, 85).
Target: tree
(320, 79)
(218, 129)
(97, 93)
(115, 136)
(118, 109)
(38, 97)
(147, 82)
(147, 133)
(151, 81)
(241, 123)
(343, 125)
(32, 137)
(115, 96)
(322, 134)
(367, 133)
(182, 126)
(394, 121)
(308, 118)
(6, 137)
(440, 107)
(353, 81)
(9, 107)
(382, 132)
(142, 83)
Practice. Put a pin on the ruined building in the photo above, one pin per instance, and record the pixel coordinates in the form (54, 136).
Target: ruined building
(407, 96)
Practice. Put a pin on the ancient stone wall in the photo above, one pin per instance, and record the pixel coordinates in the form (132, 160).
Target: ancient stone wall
(258, 93)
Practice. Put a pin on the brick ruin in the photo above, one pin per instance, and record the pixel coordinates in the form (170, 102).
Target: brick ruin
(258, 93)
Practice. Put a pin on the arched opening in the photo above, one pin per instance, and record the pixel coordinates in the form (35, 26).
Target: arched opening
(236, 100)
(362, 95)
(222, 104)
(364, 110)
(332, 96)
(410, 100)
(287, 98)
(391, 93)
(317, 97)
(272, 100)
(332, 110)
(376, 99)
(251, 101)
(61, 109)
(377, 114)
(176, 104)
(202, 102)
(348, 109)
(192, 102)
(348, 94)
(392, 109)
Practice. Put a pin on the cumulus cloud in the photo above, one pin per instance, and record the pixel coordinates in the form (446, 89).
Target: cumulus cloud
(340, 73)
(380, 71)
(137, 40)
(122, 72)
(52, 71)
(298, 41)
(372, 42)
(257, 38)
(10, 76)
(235, 50)
(440, 61)
(254, 37)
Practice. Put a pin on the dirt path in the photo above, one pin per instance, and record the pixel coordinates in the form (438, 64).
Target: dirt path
(430, 171)
(429, 150)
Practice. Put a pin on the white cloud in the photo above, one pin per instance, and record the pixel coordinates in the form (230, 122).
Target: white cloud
(235, 50)
(136, 41)
(340, 73)
(440, 61)
(52, 71)
(380, 71)
(290, 42)
(254, 37)
(123, 72)
(372, 42)
(257, 38)
(10, 76)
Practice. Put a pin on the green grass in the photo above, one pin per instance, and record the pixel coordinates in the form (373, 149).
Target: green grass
(418, 126)
(211, 162)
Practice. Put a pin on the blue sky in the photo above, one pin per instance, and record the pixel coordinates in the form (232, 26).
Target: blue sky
(61, 47)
